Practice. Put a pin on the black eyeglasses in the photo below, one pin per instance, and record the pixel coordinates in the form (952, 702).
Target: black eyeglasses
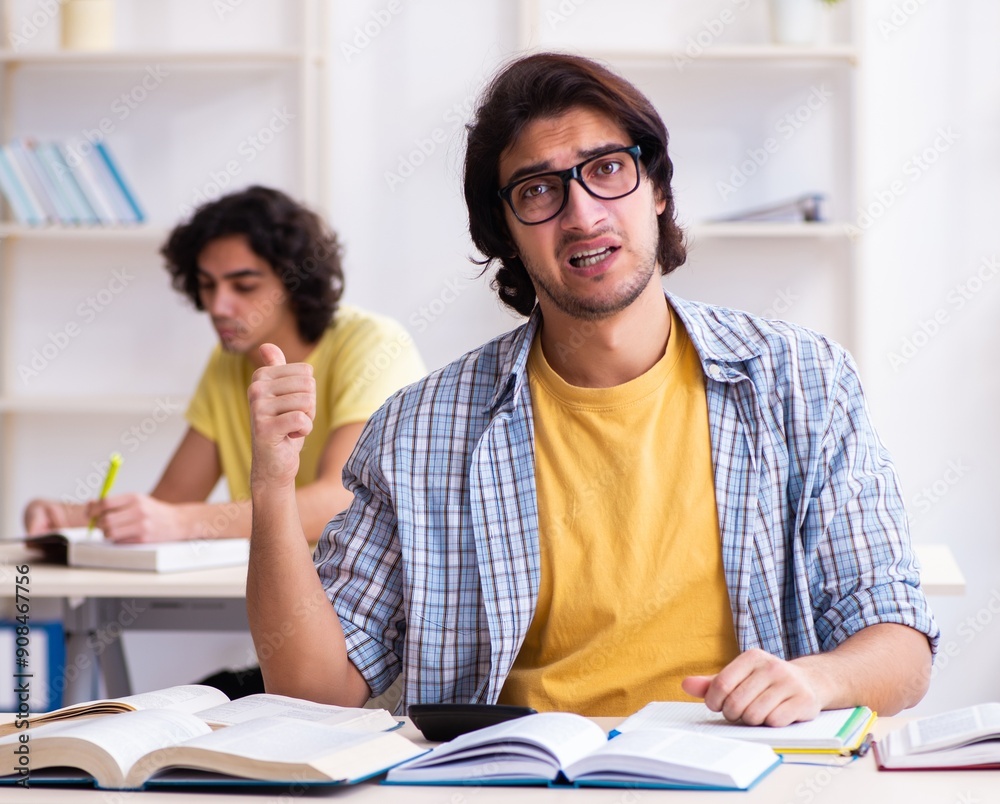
(539, 198)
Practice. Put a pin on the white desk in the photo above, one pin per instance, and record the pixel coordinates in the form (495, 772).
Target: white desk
(98, 605)
(858, 783)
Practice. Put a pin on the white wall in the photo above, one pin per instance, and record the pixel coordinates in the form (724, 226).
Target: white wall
(934, 76)
(407, 91)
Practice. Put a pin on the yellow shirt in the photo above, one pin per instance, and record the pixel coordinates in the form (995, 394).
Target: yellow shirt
(632, 595)
(358, 363)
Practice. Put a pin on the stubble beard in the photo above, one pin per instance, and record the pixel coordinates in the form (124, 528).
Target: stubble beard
(596, 308)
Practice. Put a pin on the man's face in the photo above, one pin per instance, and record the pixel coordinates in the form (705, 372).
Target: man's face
(244, 296)
(595, 257)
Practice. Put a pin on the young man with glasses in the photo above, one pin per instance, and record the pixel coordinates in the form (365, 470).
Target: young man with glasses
(631, 497)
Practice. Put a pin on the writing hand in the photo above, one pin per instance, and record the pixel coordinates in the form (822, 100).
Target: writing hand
(137, 518)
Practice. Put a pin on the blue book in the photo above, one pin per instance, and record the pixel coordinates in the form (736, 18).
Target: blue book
(18, 155)
(60, 209)
(116, 174)
(32, 212)
(54, 162)
(11, 189)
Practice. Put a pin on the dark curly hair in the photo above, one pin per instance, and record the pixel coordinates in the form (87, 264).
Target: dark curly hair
(547, 85)
(300, 248)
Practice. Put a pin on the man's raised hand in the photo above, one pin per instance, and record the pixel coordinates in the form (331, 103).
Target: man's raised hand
(282, 407)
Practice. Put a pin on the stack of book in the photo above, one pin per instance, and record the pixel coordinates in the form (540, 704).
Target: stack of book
(55, 183)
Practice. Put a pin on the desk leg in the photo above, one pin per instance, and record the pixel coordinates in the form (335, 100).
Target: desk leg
(80, 676)
(93, 650)
(112, 657)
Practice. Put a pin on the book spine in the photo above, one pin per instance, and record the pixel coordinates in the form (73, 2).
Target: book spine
(36, 214)
(12, 192)
(89, 186)
(61, 209)
(109, 187)
(62, 175)
(123, 186)
(34, 185)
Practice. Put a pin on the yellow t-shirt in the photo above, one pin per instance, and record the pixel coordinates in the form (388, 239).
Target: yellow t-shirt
(632, 595)
(358, 363)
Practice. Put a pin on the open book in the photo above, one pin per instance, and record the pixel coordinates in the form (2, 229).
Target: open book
(561, 748)
(164, 748)
(961, 738)
(84, 547)
(835, 731)
(211, 706)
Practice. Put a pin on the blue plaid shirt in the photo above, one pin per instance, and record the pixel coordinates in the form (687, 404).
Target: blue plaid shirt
(434, 568)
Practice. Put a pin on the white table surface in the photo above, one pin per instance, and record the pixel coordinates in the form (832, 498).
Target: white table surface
(857, 783)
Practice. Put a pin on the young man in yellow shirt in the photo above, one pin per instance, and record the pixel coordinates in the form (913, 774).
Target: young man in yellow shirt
(631, 497)
(267, 270)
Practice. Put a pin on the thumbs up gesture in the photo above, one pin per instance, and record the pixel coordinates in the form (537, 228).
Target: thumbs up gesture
(282, 408)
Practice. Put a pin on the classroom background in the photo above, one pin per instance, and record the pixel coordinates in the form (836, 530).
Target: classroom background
(891, 116)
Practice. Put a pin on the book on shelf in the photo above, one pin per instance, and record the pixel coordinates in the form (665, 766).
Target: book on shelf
(32, 184)
(806, 208)
(87, 547)
(967, 738)
(55, 163)
(162, 748)
(22, 202)
(59, 208)
(834, 731)
(559, 748)
(86, 176)
(47, 182)
(210, 705)
(11, 189)
(132, 210)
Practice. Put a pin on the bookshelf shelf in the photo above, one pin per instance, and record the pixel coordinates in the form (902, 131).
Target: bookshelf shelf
(736, 230)
(15, 231)
(786, 55)
(90, 405)
(123, 58)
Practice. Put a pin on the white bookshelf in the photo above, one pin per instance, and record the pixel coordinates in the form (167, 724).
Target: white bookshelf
(128, 371)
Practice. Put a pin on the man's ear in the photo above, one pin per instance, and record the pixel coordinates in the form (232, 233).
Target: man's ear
(661, 201)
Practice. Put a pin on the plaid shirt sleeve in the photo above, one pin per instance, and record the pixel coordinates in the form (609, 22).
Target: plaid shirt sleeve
(864, 572)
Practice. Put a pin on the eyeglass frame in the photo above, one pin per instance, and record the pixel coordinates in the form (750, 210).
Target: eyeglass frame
(566, 176)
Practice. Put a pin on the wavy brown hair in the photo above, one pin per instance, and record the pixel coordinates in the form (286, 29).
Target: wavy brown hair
(547, 85)
(300, 248)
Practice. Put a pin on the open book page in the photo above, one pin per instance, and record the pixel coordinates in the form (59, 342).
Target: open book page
(252, 707)
(951, 729)
(678, 756)
(106, 748)
(183, 698)
(534, 746)
(282, 749)
(824, 732)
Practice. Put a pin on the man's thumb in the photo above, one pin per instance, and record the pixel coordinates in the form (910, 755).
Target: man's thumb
(273, 356)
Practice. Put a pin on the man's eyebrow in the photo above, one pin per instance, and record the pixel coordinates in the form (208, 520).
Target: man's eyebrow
(239, 273)
(546, 167)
